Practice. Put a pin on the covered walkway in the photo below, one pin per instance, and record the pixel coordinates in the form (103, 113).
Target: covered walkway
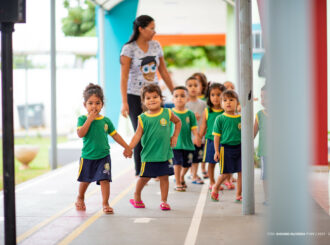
(46, 213)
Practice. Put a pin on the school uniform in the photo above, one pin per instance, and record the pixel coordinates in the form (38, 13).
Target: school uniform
(184, 149)
(228, 128)
(157, 154)
(211, 115)
(95, 161)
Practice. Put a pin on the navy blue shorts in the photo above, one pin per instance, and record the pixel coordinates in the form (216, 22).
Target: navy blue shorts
(230, 159)
(198, 154)
(209, 151)
(95, 170)
(155, 169)
(183, 158)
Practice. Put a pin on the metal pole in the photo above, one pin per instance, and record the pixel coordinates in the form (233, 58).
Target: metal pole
(102, 49)
(53, 85)
(238, 38)
(8, 132)
(246, 95)
(290, 96)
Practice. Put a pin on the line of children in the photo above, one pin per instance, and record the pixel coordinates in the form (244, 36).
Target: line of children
(184, 150)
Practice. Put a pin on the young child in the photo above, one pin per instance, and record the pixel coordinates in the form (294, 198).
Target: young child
(184, 150)
(154, 131)
(197, 106)
(202, 80)
(209, 115)
(95, 163)
(260, 126)
(227, 132)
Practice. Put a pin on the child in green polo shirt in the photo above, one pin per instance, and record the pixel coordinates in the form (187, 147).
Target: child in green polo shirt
(184, 150)
(95, 162)
(154, 131)
(227, 132)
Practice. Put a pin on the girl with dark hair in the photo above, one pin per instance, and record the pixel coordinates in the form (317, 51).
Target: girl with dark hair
(140, 58)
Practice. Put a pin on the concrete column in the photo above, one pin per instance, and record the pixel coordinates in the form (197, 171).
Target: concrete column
(246, 99)
(289, 127)
(231, 60)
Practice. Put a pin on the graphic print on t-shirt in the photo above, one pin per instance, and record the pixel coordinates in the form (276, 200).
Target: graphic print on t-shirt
(148, 68)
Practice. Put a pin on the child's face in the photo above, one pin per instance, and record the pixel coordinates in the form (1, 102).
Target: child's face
(215, 96)
(180, 98)
(193, 87)
(229, 104)
(93, 104)
(264, 99)
(229, 85)
(152, 101)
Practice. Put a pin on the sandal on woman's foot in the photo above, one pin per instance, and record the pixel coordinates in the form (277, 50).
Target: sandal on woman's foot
(138, 204)
(107, 209)
(179, 188)
(214, 196)
(165, 206)
(205, 175)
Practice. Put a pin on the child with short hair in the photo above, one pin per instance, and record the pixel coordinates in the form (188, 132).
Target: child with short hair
(202, 80)
(227, 134)
(95, 162)
(183, 151)
(197, 106)
(260, 126)
(209, 115)
(154, 131)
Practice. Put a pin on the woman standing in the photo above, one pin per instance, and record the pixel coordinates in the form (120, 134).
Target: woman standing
(140, 58)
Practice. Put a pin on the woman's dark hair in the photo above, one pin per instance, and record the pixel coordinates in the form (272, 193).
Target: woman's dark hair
(93, 89)
(212, 86)
(149, 89)
(141, 21)
(202, 78)
(230, 94)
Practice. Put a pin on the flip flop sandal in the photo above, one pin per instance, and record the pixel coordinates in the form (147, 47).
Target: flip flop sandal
(107, 210)
(239, 199)
(135, 204)
(179, 188)
(205, 175)
(214, 196)
(183, 183)
(230, 186)
(165, 206)
(198, 182)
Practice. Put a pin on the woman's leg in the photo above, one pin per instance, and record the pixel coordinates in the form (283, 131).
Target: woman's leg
(134, 103)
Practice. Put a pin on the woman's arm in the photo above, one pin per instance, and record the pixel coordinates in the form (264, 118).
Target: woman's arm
(125, 63)
(177, 128)
(164, 74)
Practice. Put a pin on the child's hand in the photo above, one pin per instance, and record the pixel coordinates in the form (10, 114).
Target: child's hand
(174, 141)
(197, 116)
(92, 115)
(197, 141)
(216, 156)
(127, 152)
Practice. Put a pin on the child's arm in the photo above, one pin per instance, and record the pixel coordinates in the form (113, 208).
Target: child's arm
(82, 131)
(197, 139)
(177, 124)
(128, 151)
(216, 147)
(202, 129)
(137, 136)
(256, 127)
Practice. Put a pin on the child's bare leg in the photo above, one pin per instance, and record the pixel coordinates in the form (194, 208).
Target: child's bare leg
(239, 184)
(203, 167)
(183, 173)
(194, 169)
(211, 173)
(80, 203)
(177, 175)
(142, 181)
(164, 185)
(105, 190)
(220, 180)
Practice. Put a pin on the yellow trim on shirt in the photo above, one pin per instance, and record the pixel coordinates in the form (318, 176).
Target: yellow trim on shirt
(214, 133)
(113, 133)
(257, 118)
(180, 112)
(222, 158)
(232, 116)
(217, 110)
(170, 113)
(98, 118)
(154, 115)
(140, 121)
(193, 127)
(81, 164)
(206, 113)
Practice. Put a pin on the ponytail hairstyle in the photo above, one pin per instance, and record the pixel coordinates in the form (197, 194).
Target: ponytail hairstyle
(141, 21)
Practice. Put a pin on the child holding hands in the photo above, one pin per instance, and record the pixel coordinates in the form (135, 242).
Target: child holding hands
(95, 162)
(154, 131)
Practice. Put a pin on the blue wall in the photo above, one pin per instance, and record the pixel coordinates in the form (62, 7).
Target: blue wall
(118, 27)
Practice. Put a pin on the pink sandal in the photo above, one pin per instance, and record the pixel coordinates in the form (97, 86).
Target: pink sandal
(165, 206)
(214, 196)
(135, 204)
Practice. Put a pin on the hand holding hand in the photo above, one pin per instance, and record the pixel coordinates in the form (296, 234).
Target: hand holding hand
(128, 152)
(197, 141)
(125, 110)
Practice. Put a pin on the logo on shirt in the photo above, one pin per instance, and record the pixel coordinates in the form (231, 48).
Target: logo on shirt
(239, 126)
(187, 120)
(106, 168)
(163, 122)
(106, 127)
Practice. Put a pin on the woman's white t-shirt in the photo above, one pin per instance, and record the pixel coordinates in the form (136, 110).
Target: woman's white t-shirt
(143, 65)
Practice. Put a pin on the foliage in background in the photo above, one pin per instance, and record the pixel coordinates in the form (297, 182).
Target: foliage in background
(195, 56)
(80, 20)
(23, 62)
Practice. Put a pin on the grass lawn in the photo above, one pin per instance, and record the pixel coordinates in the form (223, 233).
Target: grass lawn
(38, 166)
